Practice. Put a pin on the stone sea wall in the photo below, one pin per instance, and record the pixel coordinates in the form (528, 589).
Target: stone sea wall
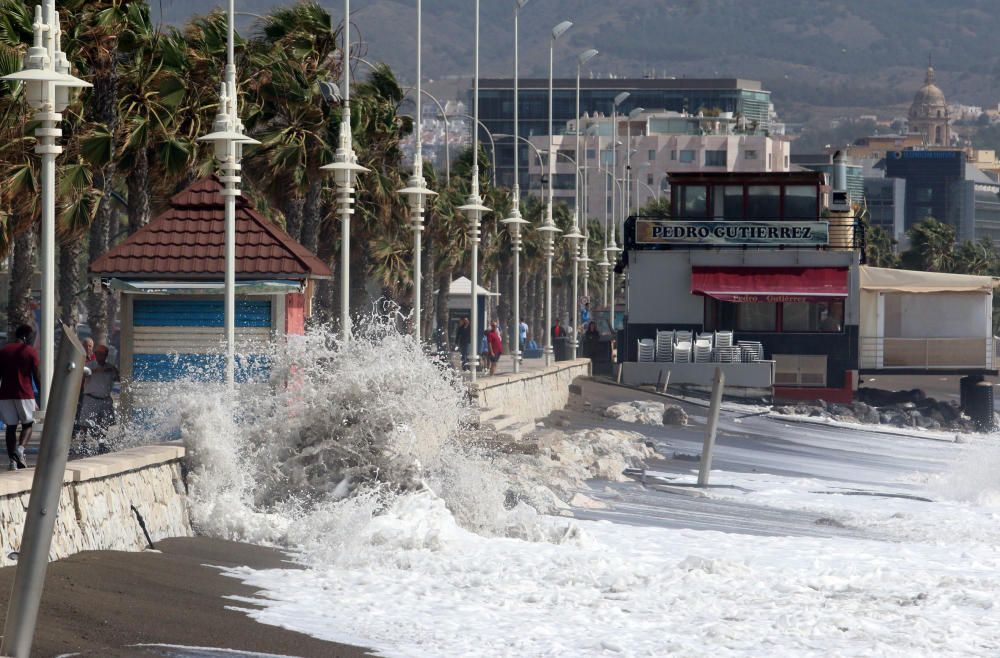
(95, 507)
(532, 394)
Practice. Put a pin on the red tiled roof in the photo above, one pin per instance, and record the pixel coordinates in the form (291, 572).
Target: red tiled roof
(186, 241)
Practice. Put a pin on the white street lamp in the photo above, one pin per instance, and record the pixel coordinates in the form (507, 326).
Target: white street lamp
(586, 259)
(45, 73)
(474, 207)
(516, 221)
(228, 140)
(628, 160)
(575, 236)
(416, 190)
(345, 170)
(549, 227)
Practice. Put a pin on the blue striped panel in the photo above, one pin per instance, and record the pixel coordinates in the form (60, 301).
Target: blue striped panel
(198, 313)
(198, 367)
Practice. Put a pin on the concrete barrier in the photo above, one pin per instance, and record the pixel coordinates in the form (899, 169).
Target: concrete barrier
(95, 506)
(531, 394)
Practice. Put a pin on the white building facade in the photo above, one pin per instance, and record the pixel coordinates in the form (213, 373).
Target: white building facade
(661, 143)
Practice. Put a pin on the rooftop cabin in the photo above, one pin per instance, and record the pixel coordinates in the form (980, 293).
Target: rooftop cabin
(747, 196)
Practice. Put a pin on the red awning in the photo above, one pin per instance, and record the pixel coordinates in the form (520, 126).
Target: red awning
(770, 284)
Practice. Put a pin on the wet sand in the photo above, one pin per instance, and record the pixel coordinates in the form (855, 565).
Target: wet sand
(102, 603)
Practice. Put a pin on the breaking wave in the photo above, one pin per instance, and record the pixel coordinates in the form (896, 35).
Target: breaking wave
(371, 443)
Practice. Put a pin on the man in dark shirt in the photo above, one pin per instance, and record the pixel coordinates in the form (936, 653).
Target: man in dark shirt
(462, 338)
(18, 364)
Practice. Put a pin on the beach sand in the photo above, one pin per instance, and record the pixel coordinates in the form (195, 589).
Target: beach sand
(102, 603)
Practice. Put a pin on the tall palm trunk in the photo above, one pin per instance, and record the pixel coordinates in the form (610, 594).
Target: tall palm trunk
(427, 298)
(138, 192)
(311, 213)
(443, 283)
(102, 107)
(293, 216)
(69, 282)
(325, 298)
(22, 271)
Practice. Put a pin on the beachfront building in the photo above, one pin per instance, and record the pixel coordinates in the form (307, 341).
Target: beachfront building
(752, 273)
(745, 99)
(661, 142)
(169, 280)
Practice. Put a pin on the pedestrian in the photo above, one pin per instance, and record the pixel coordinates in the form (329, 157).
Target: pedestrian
(462, 338)
(585, 314)
(88, 349)
(484, 352)
(18, 365)
(98, 408)
(522, 334)
(495, 344)
(557, 330)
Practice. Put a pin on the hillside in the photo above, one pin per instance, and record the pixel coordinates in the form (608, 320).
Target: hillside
(815, 56)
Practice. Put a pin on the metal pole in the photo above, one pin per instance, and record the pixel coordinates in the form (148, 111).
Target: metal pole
(474, 207)
(474, 334)
(718, 382)
(418, 165)
(549, 160)
(345, 194)
(416, 189)
(48, 148)
(46, 486)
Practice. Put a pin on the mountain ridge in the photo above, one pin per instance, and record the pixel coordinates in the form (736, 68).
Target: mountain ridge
(815, 57)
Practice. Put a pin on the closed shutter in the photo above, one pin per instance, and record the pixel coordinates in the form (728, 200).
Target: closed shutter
(177, 339)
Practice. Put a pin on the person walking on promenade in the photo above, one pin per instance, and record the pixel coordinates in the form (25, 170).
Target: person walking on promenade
(522, 334)
(462, 338)
(495, 343)
(557, 330)
(98, 409)
(18, 365)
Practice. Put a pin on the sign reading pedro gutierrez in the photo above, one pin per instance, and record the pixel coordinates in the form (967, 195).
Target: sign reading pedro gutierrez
(654, 231)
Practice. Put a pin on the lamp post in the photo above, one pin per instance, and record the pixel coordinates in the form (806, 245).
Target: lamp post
(345, 170)
(586, 259)
(45, 73)
(474, 207)
(228, 140)
(416, 191)
(619, 99)
(575, 236)
(549, 227)
(516, 221)
(628, 160)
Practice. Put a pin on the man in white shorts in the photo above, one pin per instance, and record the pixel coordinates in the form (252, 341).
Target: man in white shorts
(97, 408)
(18, 365)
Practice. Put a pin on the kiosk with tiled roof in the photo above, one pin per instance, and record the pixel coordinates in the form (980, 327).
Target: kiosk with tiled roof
(170, 277)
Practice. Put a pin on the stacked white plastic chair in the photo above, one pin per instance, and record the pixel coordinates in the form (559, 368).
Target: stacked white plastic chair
(647, 350)
(728, 354)
(664, 346)
(723, 339)
(682, 352)
(702, 351)
(752, 351)
(682, 336)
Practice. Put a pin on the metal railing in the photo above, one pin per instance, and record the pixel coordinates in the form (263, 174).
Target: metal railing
(889, 353)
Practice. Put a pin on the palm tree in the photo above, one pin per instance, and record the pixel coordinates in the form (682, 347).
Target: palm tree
(294, 52)
(932, 247)
(151, 94)
(92, 44)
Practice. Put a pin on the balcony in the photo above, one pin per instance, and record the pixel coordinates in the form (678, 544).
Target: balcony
(937, 355)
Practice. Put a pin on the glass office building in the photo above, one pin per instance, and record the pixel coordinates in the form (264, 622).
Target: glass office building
(745, 98)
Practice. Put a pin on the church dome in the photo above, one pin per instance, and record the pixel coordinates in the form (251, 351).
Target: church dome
(928, 99)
